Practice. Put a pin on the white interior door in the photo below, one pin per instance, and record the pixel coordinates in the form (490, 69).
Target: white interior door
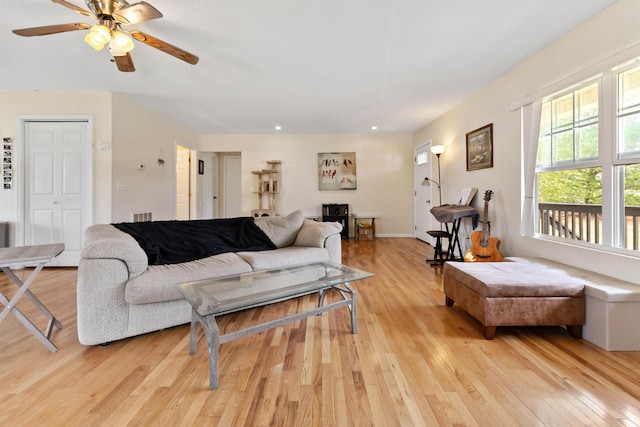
(422, 201)
(210, 192)
(232, 186)
(57, 186)
(183, 185)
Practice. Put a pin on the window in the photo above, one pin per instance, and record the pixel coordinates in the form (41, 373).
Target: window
(569, 193)
(588, 161)
(569, 127)
(628, 113)
(627, 157)
(422, 158)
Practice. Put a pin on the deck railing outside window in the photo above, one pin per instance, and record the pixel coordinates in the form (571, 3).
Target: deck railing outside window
(584, 222)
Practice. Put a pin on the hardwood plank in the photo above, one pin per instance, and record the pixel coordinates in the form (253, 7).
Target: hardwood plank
(413, 362)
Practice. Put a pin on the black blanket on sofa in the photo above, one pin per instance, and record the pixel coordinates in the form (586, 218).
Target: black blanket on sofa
(172, 242)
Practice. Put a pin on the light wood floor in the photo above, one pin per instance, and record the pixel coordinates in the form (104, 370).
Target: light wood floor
(413, 362)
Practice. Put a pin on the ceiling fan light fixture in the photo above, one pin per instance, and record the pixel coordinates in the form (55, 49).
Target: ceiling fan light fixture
(121, 42)
(98, 36)
(92, 42)
(114, 50)
(110, 15)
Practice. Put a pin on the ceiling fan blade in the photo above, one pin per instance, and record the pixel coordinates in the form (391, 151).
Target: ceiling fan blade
(125, 63)
(75, 8)
(136, 13)
(165, 47)
(51, 29)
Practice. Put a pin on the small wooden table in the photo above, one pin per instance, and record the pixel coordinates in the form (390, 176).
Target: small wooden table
(38, 256)
(364, 226)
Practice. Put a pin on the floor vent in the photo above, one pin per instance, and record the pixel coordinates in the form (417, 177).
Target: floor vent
(141, 216)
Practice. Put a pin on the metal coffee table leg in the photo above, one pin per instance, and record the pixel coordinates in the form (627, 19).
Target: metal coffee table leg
(212, 334)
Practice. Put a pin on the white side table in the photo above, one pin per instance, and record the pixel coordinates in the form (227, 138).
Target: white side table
(38, 256)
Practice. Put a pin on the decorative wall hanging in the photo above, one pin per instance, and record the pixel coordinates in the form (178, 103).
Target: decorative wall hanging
(336, 171)
(7, 164)
(480, 148)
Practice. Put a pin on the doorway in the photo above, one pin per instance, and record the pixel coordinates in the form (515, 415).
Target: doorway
(215, 184)
(232, 185)
(183, 183)
(422, 200)
(56, 194)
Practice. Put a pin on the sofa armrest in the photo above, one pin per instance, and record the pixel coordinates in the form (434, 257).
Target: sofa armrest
(101, 305)
(104, 241)
(315, 234)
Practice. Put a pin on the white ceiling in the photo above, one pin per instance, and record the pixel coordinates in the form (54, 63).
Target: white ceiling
(311, 66)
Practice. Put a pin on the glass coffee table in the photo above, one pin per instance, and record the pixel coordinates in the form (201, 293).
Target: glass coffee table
(214, 297)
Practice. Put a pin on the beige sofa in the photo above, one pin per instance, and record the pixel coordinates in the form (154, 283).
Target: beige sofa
(119, 295)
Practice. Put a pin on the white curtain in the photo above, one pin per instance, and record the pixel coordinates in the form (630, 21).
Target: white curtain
(530, 128)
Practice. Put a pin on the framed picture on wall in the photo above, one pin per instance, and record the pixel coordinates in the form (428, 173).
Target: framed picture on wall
(337, 171)
(201, 167)
(480, 148)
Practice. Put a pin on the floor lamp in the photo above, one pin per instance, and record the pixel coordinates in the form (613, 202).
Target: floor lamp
(437, 150)
(439, 256)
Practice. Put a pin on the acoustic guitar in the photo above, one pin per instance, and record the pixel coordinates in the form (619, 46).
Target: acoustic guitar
(484, 248)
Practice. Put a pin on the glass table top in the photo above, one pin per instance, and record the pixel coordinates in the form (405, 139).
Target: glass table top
(226, 294)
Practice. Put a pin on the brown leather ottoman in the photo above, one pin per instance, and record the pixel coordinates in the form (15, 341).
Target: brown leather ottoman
(515, 294)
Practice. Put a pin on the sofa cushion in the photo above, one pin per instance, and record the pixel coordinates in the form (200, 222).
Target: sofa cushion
(281, 230)
(106, 241)
(158, 283)
(314, 233)
(290, 255)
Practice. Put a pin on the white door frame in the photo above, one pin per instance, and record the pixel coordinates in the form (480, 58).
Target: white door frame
(20, 163)
(192, 178)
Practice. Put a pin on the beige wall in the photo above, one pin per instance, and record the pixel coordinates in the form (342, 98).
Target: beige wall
(132, 136)
(609, 32)
(384, 169)
(135, 136)
(96, 105)
(138, 138)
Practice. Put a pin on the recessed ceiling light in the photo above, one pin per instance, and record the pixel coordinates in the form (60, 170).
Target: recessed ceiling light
(278, 127)
(374, 127)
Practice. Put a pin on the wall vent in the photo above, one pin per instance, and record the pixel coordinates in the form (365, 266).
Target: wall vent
(141, 216)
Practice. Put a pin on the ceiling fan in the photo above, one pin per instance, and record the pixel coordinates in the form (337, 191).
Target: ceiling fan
(111, 16)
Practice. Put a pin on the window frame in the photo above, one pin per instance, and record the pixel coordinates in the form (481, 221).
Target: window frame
(587, 162)
(609, 160)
